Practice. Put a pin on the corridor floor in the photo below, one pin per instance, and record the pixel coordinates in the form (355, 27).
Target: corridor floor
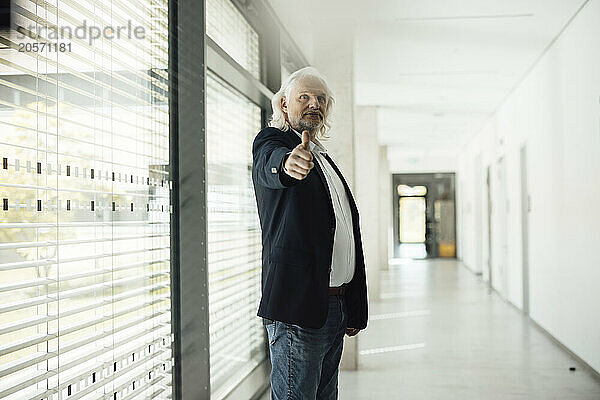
(439, 333)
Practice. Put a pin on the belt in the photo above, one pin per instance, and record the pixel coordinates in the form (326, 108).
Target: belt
(337, 291)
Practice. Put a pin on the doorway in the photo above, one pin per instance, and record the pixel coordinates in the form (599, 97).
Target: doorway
(424, 215)
(412, 220)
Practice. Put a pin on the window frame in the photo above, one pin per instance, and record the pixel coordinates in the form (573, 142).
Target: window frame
(199, 53)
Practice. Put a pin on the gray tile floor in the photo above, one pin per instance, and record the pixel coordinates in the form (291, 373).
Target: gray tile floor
(439, 333)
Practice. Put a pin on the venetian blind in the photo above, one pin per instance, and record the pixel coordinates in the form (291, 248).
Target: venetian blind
(234, 247)
(228, 28)
(237, 343)
(84, 192)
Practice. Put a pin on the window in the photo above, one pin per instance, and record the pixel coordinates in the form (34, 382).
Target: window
(405, 190)
(234, 238)
(84, 209)
(230, 30)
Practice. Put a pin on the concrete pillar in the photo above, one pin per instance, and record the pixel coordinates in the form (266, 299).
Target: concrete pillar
(385, 209)
(333, 57)
(367, 192)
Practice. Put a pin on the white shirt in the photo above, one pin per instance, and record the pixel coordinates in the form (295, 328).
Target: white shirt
(343, 256)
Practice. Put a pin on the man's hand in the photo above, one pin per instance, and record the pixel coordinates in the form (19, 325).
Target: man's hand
(352, 331)
(299, 162)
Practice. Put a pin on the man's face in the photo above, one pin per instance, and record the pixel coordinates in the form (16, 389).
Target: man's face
(305, 108)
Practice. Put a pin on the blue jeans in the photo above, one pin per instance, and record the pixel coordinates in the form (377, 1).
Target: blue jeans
(305, 361)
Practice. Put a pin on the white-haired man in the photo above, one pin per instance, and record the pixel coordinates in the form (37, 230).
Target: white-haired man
(313, 272)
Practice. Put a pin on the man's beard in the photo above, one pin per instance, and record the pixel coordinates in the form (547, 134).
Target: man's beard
(304, 125)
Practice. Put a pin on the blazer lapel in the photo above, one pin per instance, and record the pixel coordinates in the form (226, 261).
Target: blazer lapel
(292, 137)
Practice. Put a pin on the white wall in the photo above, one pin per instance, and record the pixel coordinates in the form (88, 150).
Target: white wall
(555, 113)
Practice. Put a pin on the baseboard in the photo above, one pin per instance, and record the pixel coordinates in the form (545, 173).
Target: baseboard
(464, 264)
(595, 374)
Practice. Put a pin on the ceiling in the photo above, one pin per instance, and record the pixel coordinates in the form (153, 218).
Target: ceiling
(436, 69)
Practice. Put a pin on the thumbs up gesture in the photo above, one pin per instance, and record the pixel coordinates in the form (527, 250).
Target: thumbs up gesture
(299, 162)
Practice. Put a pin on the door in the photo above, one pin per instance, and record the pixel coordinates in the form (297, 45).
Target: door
(525, 208)
(501, 230)
(477, 189)
(489, 225)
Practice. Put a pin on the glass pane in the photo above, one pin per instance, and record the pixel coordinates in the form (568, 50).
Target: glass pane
(234, 237)
(405, 190)
(84, 201)
(230, 30)
(444, 218)
(412, 219)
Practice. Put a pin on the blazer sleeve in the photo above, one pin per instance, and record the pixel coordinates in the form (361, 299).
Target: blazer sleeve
(268, 152)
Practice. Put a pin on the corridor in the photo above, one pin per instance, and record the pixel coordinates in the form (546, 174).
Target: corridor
(462, 342)
(159, 202)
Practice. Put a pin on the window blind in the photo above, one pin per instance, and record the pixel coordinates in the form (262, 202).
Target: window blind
(237, 337)
(230, 30)
(234, 246)
(84, 202)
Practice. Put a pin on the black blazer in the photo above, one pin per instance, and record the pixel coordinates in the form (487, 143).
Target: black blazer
(298, 224)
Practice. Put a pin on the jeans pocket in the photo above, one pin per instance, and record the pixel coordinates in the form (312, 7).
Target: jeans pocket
(274, 336)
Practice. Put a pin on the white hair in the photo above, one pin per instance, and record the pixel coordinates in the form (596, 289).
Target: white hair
(278, 119)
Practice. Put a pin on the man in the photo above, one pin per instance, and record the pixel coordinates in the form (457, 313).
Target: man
(313, 273)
